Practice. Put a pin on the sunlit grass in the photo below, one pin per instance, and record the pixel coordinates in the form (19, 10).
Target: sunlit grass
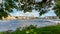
(1, 32)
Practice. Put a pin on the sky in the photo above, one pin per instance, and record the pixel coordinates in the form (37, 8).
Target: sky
(50, 13)
(0, 1)
(34, 12)
(21, 13)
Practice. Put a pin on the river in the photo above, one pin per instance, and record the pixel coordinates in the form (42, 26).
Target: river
(13, 24)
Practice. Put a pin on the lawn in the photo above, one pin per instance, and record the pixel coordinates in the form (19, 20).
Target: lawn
(34, 30)
(1, 33)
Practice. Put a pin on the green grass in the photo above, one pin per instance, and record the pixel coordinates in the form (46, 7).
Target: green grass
(1, 32)
(34, 30)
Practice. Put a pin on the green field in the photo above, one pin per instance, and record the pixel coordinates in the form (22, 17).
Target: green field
(34, 30)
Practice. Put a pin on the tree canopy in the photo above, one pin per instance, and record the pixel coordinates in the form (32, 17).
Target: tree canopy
(57, 8)
(42, 6)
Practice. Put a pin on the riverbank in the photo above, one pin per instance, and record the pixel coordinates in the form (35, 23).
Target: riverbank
(34, 30)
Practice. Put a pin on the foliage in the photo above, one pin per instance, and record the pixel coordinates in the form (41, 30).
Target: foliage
(57, 8)
(7, 6)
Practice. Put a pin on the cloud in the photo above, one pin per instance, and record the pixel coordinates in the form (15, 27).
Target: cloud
(21, 13)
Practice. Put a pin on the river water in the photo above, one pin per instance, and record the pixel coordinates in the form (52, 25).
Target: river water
(13, 24)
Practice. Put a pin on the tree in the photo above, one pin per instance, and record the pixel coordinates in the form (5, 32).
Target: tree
(57, 8)
(7, 6)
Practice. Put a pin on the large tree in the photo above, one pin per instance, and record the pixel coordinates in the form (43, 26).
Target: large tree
(7, 6)
(57, 8)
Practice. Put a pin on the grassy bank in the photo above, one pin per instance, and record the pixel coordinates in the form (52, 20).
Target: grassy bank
(34, 30)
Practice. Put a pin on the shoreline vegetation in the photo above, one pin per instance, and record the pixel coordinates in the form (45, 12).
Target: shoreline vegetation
(28, 18)
(34, 30)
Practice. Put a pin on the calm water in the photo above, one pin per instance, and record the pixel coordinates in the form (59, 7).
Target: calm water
(13, 24)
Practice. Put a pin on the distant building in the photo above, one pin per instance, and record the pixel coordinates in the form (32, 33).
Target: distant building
(24, 17)
(18, 17)
(27, 15)
(51, 17)
(9, 18)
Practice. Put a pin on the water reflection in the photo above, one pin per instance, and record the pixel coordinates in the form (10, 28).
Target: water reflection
(13, 24)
